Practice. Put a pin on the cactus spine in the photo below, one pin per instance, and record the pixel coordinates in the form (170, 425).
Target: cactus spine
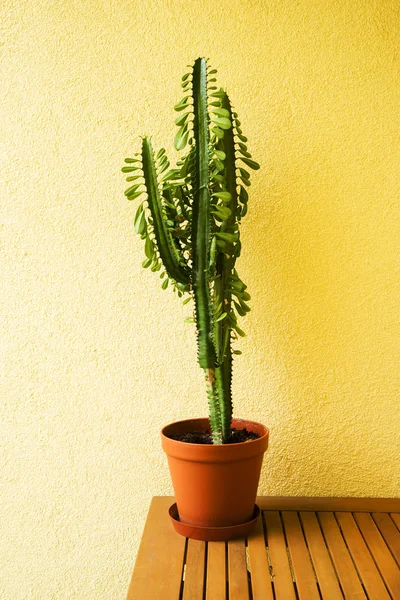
(190, 220)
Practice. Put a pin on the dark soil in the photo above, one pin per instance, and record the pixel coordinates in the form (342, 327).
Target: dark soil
(204, 437)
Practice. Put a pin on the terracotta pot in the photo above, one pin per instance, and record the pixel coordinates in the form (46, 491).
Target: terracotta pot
(215, 485)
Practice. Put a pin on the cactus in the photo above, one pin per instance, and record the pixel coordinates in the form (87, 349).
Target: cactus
(189, 219)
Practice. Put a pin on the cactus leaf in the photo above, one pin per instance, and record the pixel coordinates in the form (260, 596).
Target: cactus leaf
(220, 154)
(181, 119)
(223, 195)
(239, 309)
(243, 195)
(239, 331)
(181, 138)
(135, 195)
(227, 237)
(140, 221)
(219, 164)
(147, 262)
(221, 112)
(221, 317)
(131, 190)
(219, 94)
(250, 163)
(156, 266)
(218, 132)
(213, 248)
(134, 177)
(129, 169)
(149, 248)
(245, 306)
(182, 104)
(222, 122)
(223, 211)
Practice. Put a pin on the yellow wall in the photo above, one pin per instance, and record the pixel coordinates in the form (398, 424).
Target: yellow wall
(95, 357)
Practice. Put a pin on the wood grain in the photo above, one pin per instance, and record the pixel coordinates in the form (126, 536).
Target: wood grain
(390, 533)
(237, 569)
(326, 575)
(363, 560)
(216, 571)
(342, 560)
(281, 573)
(303, 570)
(194, 572)
(383, 557)
(396, 519)
(158, 567)
(259, 567)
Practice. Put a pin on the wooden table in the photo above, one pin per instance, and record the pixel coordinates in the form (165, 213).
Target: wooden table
(302, 549)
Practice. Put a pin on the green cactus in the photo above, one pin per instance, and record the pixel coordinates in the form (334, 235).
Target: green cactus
(189, 219)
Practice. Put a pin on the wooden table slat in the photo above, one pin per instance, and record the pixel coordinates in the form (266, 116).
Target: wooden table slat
(344, 566)
(194, 572)
(237, 569)
(281, 573)
(158, 574)
(259, 568)
(216, 571)
(303, 570)
(380, 552)
(390, 533)
(326, 575)
(365, 564)
(396, 519)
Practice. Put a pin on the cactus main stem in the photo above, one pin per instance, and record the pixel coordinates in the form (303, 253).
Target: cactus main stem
(213, 407)
(223, 371)
(201, 240)
(224, 266)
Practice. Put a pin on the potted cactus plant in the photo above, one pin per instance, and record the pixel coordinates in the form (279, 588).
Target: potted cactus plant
(189, 217)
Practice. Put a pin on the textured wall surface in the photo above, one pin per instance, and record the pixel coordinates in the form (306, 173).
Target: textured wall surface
(95, 357)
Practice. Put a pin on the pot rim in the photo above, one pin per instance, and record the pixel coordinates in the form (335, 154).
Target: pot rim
(201, 420)
(213, 453)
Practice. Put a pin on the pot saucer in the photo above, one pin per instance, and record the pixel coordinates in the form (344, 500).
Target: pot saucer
(212, 534)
